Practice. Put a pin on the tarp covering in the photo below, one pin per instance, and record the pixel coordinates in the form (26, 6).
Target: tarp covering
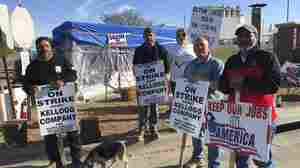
(91, 33)
(97, 66)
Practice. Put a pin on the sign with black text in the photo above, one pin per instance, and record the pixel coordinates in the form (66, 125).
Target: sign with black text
(242, 127)
(150, 82)
(189, 106)
(56, 109)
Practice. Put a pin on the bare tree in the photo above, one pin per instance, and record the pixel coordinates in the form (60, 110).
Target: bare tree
(127, 17)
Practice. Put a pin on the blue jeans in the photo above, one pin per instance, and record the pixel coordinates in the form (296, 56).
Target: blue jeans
(148, 116)
(214, 158)
(243, 161)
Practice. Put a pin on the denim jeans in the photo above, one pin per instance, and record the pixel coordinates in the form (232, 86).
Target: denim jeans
(243, 161)
(53, 151)
(214, 154)
(148, 116)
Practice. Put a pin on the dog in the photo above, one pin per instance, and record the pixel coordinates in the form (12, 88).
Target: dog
(106, 155)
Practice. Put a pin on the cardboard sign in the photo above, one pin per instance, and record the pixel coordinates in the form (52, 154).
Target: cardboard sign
(56, 109)
(189, 106)
(150, 82)
(240, 127)
(207, 22)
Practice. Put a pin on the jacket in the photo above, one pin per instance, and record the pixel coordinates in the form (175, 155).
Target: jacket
(43, 72)
(143, 54)
(261, 73)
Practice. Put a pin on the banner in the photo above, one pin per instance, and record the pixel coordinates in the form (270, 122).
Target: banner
(240, 127)
(56, 109)
(207, 22)
(189, 106)
(117, 40)
(150, 82)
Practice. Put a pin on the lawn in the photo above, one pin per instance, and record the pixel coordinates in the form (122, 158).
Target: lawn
(224, 53)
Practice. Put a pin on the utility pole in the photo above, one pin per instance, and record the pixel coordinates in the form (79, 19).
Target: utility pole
(184, 20)
(256, 18)
(288, 11)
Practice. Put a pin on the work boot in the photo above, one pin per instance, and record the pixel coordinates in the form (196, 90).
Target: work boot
(141, 135)
(154, 134)
(59, 164)
(51, 164)
(194, 163)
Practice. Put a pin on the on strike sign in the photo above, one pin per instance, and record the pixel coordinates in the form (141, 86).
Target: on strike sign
(189, 106)
(56, 109)
(150, 82)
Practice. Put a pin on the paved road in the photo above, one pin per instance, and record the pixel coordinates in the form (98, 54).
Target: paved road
(165, 152)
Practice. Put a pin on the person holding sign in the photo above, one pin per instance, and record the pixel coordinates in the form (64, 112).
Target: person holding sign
(204, 68)
(179, 56)
(51, 69)
(150, 52)
(255, 75)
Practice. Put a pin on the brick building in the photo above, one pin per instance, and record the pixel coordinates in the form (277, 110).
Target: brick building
(287, 42)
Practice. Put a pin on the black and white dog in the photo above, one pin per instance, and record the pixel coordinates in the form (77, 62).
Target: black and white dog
(106, 155)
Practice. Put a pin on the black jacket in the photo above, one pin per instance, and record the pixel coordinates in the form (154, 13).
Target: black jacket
(41, 72)
(144, 54)
(261, 71)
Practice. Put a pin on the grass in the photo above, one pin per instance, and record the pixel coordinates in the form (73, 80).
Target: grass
(224, 53)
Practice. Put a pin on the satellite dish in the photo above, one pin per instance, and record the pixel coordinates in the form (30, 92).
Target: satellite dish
(22, 27)
(5, 31)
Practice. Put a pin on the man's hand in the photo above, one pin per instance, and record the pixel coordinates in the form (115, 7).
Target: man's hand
(35, 90)
(236, 82)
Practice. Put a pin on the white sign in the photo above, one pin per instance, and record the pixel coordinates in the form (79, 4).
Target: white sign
(117, 39)
(207, 22)
(189, 106)
(22, 27)
(150, 82)
(5, 29)
(240, 127)
(56, 109)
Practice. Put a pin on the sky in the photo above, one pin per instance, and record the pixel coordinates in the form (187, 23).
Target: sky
(48, 14)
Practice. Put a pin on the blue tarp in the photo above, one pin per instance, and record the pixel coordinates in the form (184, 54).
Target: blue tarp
(96, 34)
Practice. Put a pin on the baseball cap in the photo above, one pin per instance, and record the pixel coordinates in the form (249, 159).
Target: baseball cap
(249, 28)
(148, 30)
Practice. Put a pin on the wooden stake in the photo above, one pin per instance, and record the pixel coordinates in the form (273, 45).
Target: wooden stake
(232, 156)
(183, 145)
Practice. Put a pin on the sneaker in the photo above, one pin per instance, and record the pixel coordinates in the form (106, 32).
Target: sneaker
(141, 135)
(194, 163)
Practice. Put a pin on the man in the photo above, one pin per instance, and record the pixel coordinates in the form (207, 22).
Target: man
(51, 69)
(206, 68)
(255, 75)
(179, 56)
(149, 51)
